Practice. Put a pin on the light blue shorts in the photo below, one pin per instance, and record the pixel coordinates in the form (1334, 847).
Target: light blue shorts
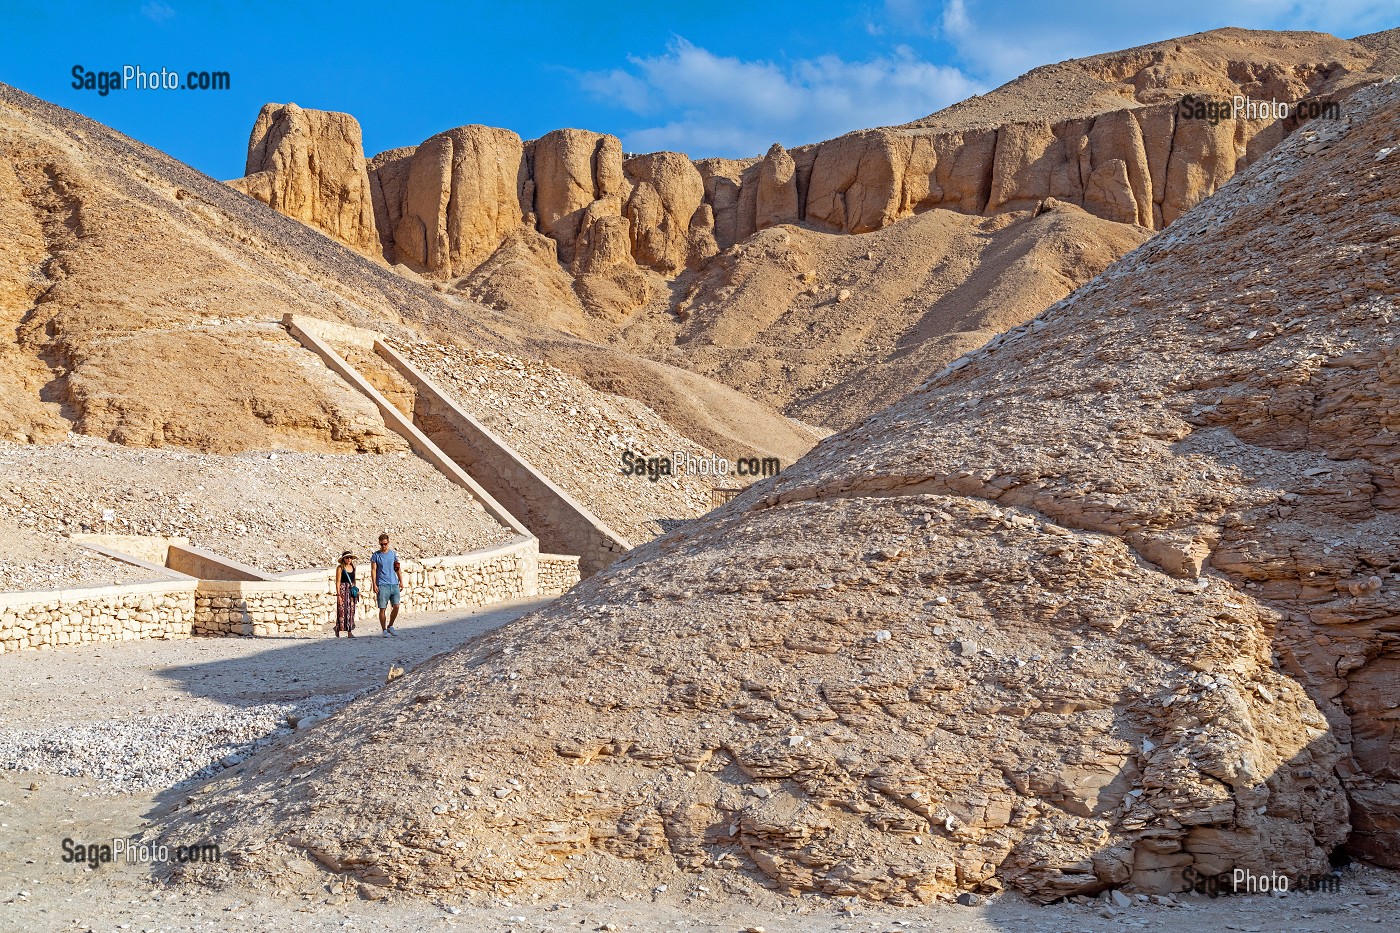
(388, 593)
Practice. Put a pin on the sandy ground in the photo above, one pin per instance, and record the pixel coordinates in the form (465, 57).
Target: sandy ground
(58, 692)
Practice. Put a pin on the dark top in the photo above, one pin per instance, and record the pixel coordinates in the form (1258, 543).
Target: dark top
(347, 576)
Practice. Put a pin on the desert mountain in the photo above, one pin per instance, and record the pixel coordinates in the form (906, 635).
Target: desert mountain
(1110, 598)
(746, 271)
(141, 304)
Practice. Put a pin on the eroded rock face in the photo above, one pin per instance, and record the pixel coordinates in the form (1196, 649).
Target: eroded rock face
(310, 165)
(465, 190)
(664, 208)
(420, 234)
(776, 202)
(1110, 139)
(572, 169)
(857, 181)
(1105, 600)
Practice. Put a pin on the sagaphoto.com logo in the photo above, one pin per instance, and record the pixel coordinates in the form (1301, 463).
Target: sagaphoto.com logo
(134, 77)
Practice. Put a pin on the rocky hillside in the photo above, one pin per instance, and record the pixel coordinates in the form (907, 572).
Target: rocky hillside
(647, 251)
(1107, 599)
(140, 303)
(832, 327)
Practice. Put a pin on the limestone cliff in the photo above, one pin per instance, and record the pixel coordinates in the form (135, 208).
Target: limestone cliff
(1105, 133)
(898, 249)
(310, 165)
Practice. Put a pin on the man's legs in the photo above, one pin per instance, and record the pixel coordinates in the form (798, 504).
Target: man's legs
(388, 596)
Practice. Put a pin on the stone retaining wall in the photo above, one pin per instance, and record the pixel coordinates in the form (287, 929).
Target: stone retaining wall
(305, 330)
(33, 620)
(259, 608)
(434, 584)
(561, 522)
(293, 604)
(558, 573)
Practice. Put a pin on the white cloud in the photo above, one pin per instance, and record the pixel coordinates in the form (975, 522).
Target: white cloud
(157, 12)
(955, 21)
(998, 44)
(695, 101)
(729, 106)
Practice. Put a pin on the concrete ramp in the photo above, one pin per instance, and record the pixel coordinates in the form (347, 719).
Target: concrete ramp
(506, 479)
(307, 331)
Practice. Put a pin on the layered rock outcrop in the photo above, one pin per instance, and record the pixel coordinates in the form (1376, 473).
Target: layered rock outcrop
(671, 224)
(776, 200)
(310, 165)
(1111, 598)
(1110, 136)
(1060, 172)
(464, 191)
(572, 170)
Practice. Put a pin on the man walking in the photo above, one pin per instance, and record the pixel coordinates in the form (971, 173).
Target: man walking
(388, 584)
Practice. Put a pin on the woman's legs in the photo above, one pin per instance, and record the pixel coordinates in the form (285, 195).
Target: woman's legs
(344, 612)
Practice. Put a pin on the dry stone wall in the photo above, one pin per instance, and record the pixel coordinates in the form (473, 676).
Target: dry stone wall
(290, 606)
(557, 574)
(34, 620)
(434, 584)
(264, 608)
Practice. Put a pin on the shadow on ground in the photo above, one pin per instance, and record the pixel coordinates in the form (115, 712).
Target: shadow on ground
(293, 669)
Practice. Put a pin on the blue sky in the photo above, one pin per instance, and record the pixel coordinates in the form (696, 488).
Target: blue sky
(704, 79)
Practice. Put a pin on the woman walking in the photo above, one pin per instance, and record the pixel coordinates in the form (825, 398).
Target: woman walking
(347, 594)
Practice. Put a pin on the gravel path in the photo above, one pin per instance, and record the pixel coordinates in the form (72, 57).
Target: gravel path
(147, 715)
(276, 510)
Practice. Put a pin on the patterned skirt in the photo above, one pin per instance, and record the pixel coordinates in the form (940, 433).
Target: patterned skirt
(345, 610)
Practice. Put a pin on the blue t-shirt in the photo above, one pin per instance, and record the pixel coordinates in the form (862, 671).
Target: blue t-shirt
(384, 562)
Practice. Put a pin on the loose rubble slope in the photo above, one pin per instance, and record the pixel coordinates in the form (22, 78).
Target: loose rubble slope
(576, 436)
(831, 327)
(277, 511)
(32, 561)
(963, 644)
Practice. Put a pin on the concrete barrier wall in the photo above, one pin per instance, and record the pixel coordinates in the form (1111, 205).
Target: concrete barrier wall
(332, 332)
(148, 549)
(172, 558)
(291, 604)
(206, 565)
(562, 524)
(467, 452)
